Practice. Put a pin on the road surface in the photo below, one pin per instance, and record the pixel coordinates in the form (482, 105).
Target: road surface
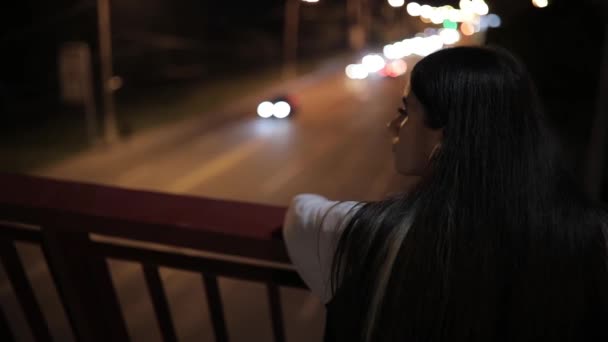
(336, 145)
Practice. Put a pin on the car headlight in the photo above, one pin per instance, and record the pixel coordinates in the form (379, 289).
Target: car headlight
(265, 109)
(280, 109)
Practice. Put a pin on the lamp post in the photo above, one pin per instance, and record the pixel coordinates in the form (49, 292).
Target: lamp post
(290, 36)
(105, 60)
(357, 12)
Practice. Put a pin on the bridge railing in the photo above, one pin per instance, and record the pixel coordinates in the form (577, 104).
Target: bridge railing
(79, 227)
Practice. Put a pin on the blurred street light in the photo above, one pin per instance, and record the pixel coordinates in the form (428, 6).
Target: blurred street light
(356, 72)
(396, 3)
(494, 21)
(426, 11)
(467, 29)
(373, 63)
(413, 9)
(449, 36)
(480, 7)
(540, 3)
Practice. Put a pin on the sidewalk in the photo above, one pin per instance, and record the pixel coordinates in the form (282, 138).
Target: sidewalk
(141, 144)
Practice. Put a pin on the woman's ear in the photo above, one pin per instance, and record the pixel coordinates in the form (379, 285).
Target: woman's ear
(434, 151)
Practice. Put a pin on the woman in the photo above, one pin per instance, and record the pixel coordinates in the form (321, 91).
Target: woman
(494, 243)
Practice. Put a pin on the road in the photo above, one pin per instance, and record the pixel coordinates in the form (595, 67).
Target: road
(336, 145)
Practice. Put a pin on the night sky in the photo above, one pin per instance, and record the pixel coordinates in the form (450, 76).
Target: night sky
(144, 30)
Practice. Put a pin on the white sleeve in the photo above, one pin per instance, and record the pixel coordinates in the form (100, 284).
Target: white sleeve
(311, 230)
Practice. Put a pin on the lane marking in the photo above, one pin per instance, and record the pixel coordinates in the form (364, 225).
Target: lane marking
(216, 166)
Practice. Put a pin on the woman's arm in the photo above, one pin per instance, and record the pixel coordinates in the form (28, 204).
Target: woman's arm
(311, 230)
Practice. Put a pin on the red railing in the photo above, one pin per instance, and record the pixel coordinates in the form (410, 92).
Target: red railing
(78, 225)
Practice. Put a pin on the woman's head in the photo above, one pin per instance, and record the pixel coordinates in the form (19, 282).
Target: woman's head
(488, 243)
(414, 142)
(464, 100)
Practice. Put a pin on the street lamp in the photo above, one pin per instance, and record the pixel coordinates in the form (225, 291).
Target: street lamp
(396, 3)
(540, 3)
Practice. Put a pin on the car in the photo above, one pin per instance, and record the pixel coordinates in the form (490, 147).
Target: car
(280, 107)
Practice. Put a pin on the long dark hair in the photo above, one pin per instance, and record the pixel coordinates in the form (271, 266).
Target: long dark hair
(494, 244)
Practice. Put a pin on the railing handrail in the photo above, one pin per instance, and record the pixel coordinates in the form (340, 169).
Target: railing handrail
(228, 227)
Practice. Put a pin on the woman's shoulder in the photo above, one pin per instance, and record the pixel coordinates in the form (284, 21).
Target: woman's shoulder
(315, 218)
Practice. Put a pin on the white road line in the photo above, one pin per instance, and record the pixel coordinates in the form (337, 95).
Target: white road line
(215, 166)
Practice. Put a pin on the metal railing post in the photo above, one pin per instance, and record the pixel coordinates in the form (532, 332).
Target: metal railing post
(84, 283)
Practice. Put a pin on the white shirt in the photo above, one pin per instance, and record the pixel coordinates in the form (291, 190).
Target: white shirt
(312, 228)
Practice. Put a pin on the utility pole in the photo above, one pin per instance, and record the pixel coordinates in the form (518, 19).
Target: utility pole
(366, 19)
(290, 37)
(356, 24)
(105, 60)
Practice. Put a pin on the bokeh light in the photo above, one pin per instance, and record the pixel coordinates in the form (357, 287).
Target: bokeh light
(449, 36)
(425, 20)
(437, 18)
(426, 11)
(470, 17)
(396, 68)
(427, 45)
(494, 21)
(429, 31)
(467, 29)
(396, 3)
(465, 5)
(413, 9)
(540, 3)
(480, 7)
(356, 72)
(265, 109)
(373, 63)
(450, 24)
(281, 110)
